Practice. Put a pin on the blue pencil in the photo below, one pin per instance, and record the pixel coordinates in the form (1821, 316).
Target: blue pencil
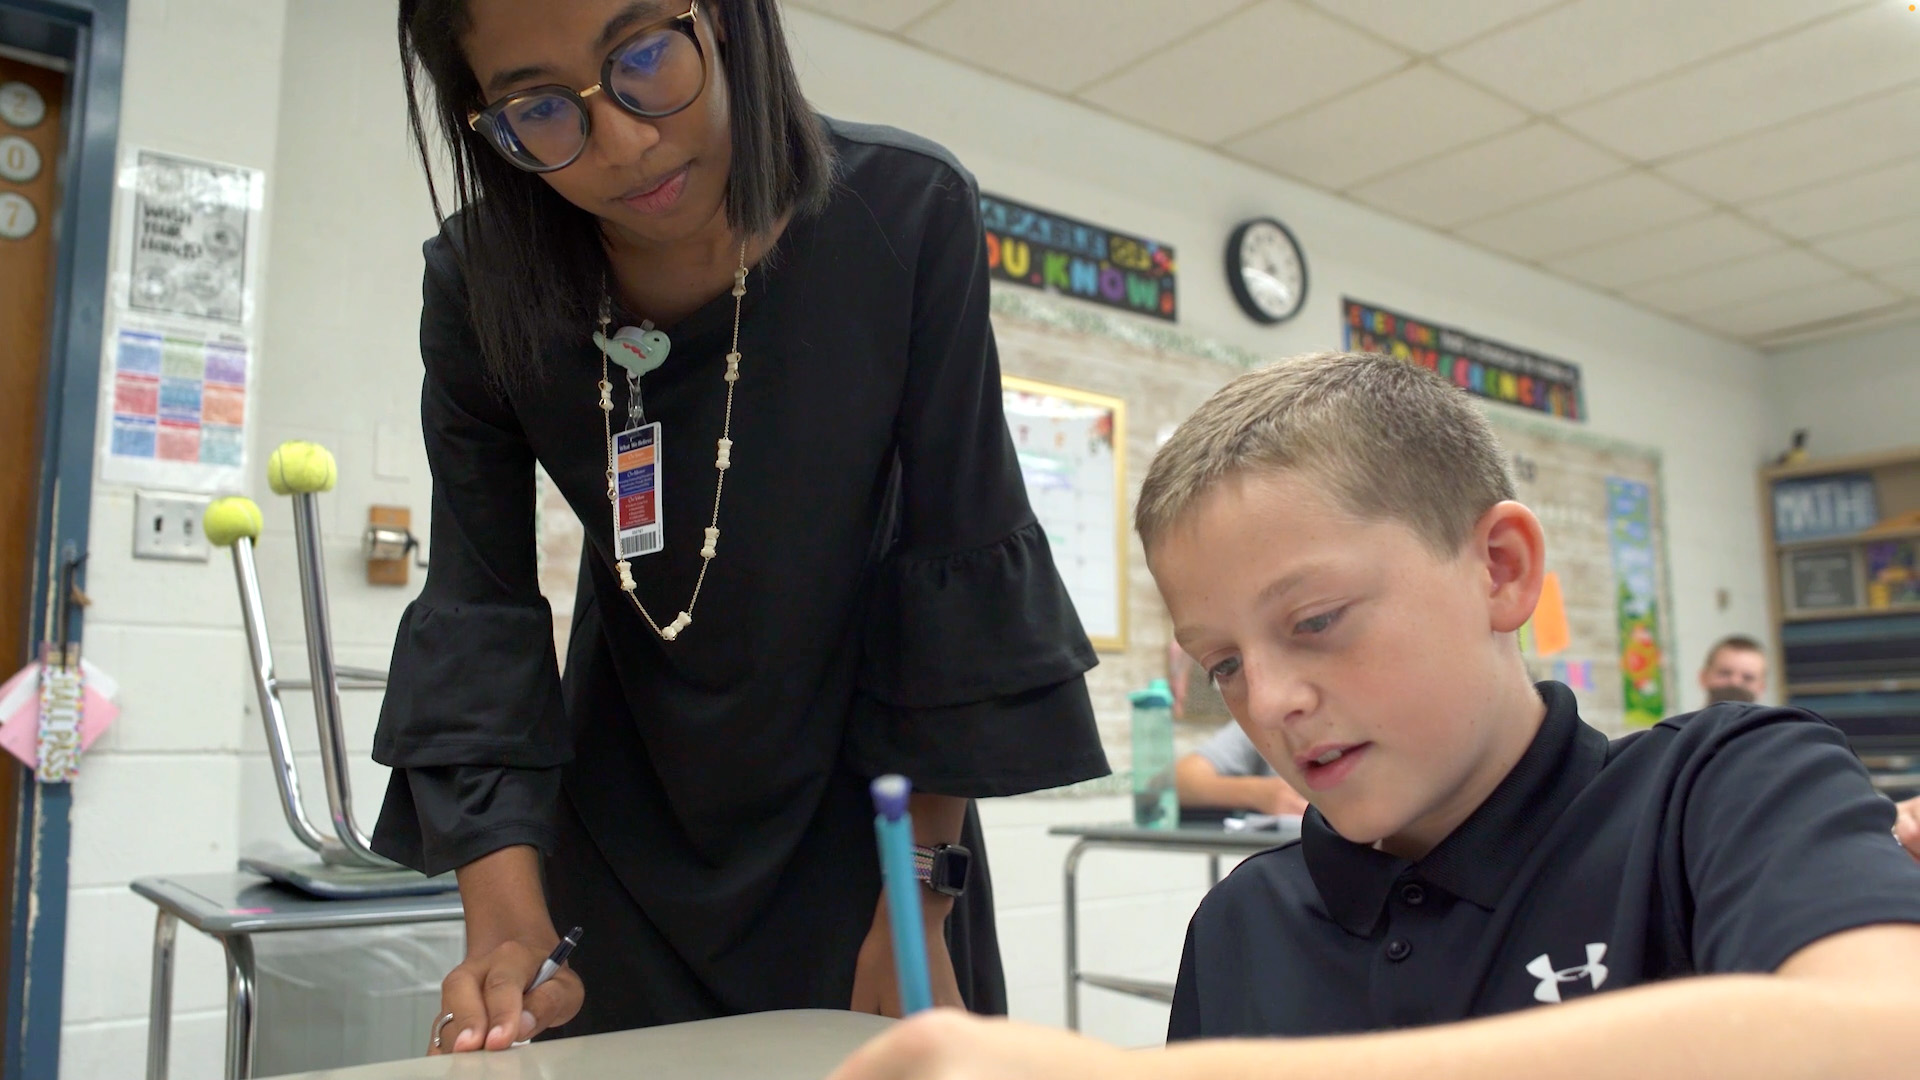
(893, 828)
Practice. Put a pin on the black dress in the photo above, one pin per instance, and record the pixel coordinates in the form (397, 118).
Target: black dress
(882, 600)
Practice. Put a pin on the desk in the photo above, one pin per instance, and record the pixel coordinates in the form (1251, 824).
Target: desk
(1212, 841)
(802, 1044)
(231, 908)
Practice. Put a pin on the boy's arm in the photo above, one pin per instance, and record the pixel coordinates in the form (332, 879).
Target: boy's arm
(1839, 1009)
(1200, 784)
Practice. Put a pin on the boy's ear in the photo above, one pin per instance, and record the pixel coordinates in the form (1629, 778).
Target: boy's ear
(1514, 549)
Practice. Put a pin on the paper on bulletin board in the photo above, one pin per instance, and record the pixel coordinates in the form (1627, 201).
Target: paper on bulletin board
(1551, 634)
(1629, 527)
(1071, 446)
(180, 348)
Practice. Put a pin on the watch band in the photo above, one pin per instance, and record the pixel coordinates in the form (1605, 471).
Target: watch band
(923, 864)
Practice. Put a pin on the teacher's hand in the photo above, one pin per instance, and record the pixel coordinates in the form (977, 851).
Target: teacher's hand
(876, 984)
(484, 996)
(509, 934)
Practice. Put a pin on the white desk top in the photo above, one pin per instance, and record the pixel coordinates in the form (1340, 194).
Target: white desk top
(802, 1044)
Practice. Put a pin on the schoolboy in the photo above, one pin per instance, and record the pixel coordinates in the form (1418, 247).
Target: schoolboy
(1338, 545)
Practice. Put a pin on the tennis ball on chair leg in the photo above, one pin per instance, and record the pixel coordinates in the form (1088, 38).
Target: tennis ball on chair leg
(229, 519)
(299, 468)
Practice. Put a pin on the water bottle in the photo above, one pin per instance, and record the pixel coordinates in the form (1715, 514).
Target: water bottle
(1156, 802)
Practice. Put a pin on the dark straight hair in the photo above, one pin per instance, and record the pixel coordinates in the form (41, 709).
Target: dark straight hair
(533, 261)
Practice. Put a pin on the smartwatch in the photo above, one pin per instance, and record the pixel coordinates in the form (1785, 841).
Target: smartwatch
(943, 868)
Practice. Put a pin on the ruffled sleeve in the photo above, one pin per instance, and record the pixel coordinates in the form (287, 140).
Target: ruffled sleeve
(972, 675)
(472, 723)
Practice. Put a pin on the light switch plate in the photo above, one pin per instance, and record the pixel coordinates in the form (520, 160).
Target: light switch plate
(168, 526)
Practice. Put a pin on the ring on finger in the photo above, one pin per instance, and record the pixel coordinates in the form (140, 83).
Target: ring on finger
(439, 1026)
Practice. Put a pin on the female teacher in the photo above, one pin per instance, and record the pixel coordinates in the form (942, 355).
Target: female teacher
(750, 346)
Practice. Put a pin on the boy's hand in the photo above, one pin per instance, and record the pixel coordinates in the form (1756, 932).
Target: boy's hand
(945, 1044)
(1907, 826)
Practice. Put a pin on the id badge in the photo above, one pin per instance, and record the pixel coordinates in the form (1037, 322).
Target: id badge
(636, 454)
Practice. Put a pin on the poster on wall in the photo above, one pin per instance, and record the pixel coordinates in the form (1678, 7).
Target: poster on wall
(1042, 250)
(181, 343)
(1485, 368)
(1637, 605)
(190, 231)
(1069, 444)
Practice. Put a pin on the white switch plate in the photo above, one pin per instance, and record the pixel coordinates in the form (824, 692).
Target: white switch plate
(168, 527)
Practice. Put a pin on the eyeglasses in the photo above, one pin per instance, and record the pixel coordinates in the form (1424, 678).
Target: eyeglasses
(657, 72)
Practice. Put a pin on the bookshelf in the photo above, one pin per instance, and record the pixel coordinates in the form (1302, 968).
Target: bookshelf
(1842, 541)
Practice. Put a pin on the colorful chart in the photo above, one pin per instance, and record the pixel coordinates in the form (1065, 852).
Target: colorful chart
(179, 398)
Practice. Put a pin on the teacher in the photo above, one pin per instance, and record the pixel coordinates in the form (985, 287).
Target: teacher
(750, 347)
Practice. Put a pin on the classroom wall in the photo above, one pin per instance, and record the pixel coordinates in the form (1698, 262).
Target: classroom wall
(181, 784)
(160, 793)
(1854, 394)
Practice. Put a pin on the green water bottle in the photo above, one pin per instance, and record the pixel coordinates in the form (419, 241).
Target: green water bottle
(1156, 802)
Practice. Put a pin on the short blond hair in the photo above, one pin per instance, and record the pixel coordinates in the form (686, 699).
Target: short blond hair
(1389, 440)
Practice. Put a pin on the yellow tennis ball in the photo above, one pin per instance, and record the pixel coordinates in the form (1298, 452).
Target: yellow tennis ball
(298, 468)
(231, 518)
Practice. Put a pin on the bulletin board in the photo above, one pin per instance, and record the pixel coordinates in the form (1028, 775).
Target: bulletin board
(1077, 483)
(1601, 504)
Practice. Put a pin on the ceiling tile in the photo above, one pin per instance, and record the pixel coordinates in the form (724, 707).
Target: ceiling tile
(1876, 246)
(1400, 119)
(1270, 60)
(1061, 44)
(1489, 177)
(1831, 62)
(879, 14)
(1733, 283)
(1798, 308)
(1905, 278)
(1690, 245)
(1849, 139)
(1884, 194)
(1551, 61)
(1430, 27)
(1588, 216)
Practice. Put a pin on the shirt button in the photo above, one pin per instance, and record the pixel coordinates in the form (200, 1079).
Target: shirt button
(1399, 949)
(1412, 894)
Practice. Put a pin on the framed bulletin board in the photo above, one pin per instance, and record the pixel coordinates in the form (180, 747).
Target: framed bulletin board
(1071, 446)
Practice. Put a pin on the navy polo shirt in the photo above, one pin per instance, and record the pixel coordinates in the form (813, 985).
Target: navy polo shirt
(1723, 841)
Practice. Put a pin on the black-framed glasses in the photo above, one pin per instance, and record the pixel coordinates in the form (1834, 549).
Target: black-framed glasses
(656, 72)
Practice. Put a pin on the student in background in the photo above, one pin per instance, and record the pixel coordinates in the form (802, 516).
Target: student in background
(1736, 670)
(1227, 773)
(1485, 886)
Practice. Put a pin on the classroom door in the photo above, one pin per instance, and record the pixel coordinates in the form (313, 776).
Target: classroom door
(31, 104)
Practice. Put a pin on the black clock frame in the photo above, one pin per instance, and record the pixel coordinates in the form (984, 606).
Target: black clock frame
(1239, 286)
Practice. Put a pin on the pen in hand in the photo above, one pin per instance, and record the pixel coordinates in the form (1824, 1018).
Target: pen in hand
(554, 960)
(551, 966)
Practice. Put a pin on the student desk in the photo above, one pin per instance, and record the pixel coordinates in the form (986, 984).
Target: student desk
(802, 1044)
(1212, 840)
(232, 908)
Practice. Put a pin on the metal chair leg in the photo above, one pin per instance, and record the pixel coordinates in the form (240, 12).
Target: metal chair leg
(160, 997)
(240, 1005)
(1071, 908)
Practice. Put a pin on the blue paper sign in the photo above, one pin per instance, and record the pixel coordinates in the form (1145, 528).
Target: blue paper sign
(1822, 507)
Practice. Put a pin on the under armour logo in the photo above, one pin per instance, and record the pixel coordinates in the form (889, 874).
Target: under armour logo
(1541, 967)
